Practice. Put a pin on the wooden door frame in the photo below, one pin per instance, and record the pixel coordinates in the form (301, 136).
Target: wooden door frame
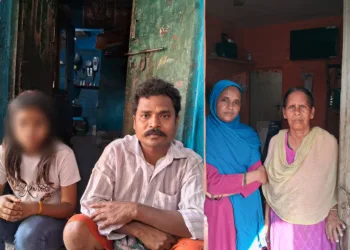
(344, 138)
(8, 55)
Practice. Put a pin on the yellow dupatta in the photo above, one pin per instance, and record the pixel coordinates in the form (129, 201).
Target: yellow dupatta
(302, 192)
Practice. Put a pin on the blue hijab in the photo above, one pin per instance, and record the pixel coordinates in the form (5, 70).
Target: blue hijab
(232, 147)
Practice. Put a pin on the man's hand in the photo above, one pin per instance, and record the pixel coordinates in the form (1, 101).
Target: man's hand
(9, 208)
(153, 238)
(114, 213)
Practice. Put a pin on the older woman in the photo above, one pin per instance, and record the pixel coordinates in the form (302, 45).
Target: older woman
(234, 173)
(302, 169)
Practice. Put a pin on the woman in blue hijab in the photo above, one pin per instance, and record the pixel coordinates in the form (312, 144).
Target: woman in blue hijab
(234, 174)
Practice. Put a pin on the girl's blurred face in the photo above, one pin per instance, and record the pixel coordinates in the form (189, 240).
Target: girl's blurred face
(30, 128)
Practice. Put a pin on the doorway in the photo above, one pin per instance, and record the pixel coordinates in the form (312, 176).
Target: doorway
(95, 68)
(269, 64)
(265, 96)
(94, 38)
(139, 41)
(261, 32)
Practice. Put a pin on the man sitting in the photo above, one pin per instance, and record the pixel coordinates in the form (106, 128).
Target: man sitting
(146, 190)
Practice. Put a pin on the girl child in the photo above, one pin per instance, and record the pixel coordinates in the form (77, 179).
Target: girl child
(42, 174)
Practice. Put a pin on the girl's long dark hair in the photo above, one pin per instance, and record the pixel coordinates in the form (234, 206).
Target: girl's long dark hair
(12, 157)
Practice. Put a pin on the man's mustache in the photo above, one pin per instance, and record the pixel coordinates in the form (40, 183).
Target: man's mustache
(155, 131)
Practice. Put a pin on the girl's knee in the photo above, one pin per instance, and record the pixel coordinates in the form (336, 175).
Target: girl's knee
(7, 231)
(35, 225)
(28, 233)
(39, 231)
(25, 237)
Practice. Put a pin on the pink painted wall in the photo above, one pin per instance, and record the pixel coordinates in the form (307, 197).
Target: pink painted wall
(218, 70)
(270, 45)
(270, 49)
(215, 27)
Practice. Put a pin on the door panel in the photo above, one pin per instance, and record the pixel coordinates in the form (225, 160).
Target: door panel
(7, 35)
(176, 27)
(111, 95)
(37, 51)
(114, 17)
(265, 96)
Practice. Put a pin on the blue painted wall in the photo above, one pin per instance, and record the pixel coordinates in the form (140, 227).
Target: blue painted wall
(86, 47)
(88, 98)
(110, 78)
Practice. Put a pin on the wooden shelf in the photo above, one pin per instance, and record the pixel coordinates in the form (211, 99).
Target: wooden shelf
(217, 58)
(86, 87)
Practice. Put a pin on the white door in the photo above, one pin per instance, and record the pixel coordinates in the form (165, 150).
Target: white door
(265, 96)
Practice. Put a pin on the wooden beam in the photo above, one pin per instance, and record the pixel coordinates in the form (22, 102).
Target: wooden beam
(344, 139)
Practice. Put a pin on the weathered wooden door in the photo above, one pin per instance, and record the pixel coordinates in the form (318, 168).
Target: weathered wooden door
(7, 47)
(176, 29)
(37, 50)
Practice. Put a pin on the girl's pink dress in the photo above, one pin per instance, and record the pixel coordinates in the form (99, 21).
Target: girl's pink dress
(287, 236)
(221, 223)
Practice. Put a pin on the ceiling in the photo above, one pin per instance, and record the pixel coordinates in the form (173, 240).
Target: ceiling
(265, 12)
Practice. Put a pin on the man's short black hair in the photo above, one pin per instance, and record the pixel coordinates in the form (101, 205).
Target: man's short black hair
(156, 87)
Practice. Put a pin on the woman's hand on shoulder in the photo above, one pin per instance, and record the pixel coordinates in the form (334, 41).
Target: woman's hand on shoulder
(10, 210)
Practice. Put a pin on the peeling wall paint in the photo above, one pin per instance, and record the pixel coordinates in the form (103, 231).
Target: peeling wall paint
(173, 25)
(37, 46)
(28, 48)
(5, 20)
(8, 35)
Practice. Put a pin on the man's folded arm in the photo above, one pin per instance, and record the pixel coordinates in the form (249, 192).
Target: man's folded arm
(188, 221)
(101, 188)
